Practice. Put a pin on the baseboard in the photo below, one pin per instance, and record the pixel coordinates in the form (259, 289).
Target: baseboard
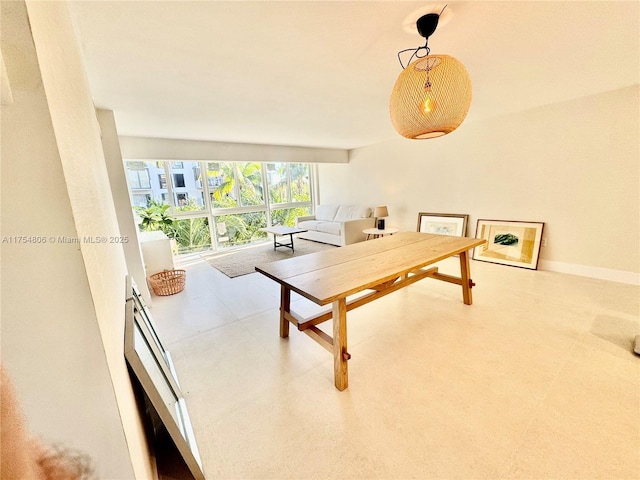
(592, 272)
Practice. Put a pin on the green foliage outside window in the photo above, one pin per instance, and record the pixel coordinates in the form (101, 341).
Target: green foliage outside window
(233, 185)
(192, 234)
(246, 176)
(223, 194)
(300, 187)
(287, 216)
(240, 228)
(295, 185)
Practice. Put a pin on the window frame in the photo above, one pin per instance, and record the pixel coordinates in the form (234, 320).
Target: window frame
(167, 194)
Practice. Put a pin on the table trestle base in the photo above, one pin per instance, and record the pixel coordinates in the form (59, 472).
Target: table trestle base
(341, 307)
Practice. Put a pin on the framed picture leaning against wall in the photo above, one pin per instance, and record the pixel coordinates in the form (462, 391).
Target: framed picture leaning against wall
(509, 243)
(443, 223)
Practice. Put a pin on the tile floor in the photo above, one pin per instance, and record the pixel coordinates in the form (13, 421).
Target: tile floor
(535, 380)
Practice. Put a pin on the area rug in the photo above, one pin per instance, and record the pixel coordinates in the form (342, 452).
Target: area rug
(242, 261)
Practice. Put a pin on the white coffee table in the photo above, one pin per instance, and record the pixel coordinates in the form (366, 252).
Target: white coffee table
(277, 230)
(375, 233)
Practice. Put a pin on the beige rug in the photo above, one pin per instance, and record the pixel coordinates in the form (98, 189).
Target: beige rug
(242, 261)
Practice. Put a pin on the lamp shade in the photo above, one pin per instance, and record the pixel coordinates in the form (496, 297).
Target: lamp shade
(381, 211)
(431, 97)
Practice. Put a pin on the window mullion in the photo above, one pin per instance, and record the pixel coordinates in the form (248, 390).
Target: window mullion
(204, 173)
(265, 192)
(169, 182)
(236, 184)
(289, 195)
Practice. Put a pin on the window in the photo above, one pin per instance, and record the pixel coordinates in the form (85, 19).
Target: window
(141, 200)
(249, 182)
(192, 234)
(277, 182)
(182, 199)
(287, 216)
(221, 204)
(187, 187)
(223, 194)
(288, 182)
(178, 180)
(139, 179)
(300, 182)
(240, 228)
(289, 192)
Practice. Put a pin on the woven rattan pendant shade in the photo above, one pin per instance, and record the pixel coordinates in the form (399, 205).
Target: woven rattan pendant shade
(418, 112)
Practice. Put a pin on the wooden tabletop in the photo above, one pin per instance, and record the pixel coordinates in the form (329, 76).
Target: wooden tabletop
(325, 276)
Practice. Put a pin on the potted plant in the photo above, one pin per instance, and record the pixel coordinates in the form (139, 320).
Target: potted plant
(156, 216)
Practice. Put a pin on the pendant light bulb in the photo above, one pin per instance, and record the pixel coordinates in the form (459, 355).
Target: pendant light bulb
(429, 103)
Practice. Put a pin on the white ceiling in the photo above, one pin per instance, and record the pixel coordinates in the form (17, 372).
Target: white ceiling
(319, 73)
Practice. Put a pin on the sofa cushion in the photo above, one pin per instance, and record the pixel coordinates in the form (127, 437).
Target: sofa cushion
(329, 227)
(351, 212)
(326, 212)
(311, 225)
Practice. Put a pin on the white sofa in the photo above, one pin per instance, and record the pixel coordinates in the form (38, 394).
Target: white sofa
(336, 224)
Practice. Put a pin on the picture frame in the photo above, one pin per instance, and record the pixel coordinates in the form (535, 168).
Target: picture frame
(443, 223)
(152, 368)
(512, 243)
(146, 323)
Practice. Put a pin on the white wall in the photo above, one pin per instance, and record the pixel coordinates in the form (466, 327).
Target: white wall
(122, 202)
(62, 303)
(141, 148)
(573, 165)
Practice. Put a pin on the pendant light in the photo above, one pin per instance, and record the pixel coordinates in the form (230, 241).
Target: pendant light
(432, 95)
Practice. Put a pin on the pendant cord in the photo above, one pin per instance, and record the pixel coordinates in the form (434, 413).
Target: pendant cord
(415, 54)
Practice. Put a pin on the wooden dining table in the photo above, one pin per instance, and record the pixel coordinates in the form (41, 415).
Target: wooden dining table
(379, 267)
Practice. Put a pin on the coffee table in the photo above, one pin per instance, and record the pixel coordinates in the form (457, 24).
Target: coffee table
(278, 230)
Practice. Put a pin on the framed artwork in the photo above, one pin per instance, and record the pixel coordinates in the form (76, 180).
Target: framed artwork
(146, 323)
(509, 243)
(443, 223)
(153, 370)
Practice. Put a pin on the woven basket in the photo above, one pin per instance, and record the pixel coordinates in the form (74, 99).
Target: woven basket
(168, 282)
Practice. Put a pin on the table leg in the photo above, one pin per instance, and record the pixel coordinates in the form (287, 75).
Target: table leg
(340, 355)
(285, 306)
(465, 276)
(275, 244)
(291, 241)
